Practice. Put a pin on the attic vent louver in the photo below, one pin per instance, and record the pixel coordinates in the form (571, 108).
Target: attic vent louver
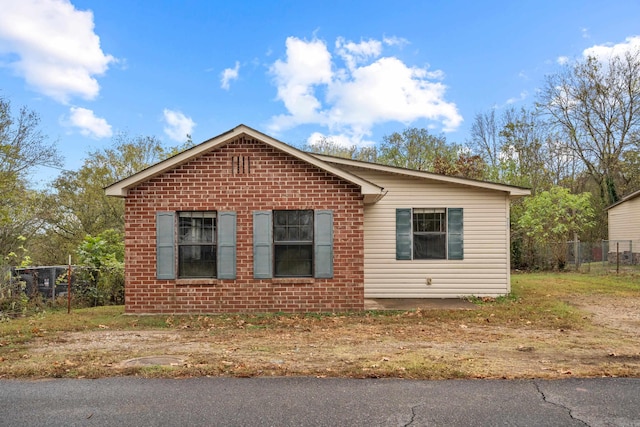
(240, 165)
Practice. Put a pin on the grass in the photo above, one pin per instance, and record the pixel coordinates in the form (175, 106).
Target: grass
(539, 330)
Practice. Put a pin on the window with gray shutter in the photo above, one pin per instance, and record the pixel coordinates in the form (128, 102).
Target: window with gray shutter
(202, 244)
(429, 233)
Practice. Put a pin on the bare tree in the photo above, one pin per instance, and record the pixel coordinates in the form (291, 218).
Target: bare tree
(485, 138)
(594, 106)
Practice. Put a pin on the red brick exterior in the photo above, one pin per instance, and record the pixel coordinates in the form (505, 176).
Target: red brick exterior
(275, 180)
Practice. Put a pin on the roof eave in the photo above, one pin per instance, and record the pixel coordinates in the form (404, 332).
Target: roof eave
(513, 191)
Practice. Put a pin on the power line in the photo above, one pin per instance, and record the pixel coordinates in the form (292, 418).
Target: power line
(7, 156)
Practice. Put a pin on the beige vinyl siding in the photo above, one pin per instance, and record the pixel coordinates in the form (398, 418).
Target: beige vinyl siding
(624, 221)
(485, 268)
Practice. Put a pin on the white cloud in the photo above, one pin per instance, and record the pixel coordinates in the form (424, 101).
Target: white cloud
(356, 53)
(58, 53)
(178, 125)
(607, 51)
(228, 75)
(88, 123)
(522, 97)
(369, 89)
(308, 64)
(395, 41)
(562, 60)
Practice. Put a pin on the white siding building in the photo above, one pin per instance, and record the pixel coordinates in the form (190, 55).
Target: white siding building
(624, 224)
(474, 262)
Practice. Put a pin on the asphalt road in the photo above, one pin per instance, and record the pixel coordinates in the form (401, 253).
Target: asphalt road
(319, 402)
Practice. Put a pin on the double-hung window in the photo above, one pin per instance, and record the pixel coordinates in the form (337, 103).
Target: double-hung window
(429, 233)
(293, 243)
(197, 244)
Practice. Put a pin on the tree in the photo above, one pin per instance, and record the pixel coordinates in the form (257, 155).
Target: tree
(82, 207)
(519, 149)
(485, 138)
(552, 218)
(102, 259)
(329, 147)
(416, 149)
(23, 147)
(595, 106)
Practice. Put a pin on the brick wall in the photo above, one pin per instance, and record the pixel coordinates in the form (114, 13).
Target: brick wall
(244, 176)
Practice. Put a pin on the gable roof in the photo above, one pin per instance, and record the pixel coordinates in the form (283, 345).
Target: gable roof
(513, 191)
(370, 191)
(625, 199)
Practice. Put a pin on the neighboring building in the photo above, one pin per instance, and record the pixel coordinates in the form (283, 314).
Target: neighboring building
(243, 222)
(624, 228)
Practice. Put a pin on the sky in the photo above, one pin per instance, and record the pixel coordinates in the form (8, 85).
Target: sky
(352, 71)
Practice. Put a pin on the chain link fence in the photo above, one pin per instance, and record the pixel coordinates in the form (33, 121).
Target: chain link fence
(605, 256)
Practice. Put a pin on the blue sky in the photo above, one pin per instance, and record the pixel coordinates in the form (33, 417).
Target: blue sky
(353, 71)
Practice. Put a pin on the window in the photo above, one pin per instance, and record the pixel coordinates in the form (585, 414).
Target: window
(196, 244)
(429, 233)
(293, 243)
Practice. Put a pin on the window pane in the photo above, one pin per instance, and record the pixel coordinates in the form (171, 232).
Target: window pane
(293, 234)
(197, 261)
(306, 233)
(280, 234)
(293, 260)
(196, 227)
(429, 246)
(429, 221)
(292, 217)
(306, 217)
(280, 218)
(293, 226)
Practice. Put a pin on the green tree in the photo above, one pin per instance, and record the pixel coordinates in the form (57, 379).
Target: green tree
(552, 218)
(416, 149)
(82, 207)
(102, 261)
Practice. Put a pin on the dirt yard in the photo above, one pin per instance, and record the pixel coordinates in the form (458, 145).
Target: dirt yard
(454, 343)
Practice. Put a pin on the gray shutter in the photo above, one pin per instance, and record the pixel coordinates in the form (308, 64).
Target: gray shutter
(455, 233)
(262, 245)
(323, 244)
(226, 245)
(165, 249)
(403, 233)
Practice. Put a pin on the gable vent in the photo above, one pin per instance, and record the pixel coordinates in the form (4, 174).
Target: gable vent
(240, 165)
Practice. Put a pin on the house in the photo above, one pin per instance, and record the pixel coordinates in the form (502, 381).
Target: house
(244, 222)
(624, 228)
